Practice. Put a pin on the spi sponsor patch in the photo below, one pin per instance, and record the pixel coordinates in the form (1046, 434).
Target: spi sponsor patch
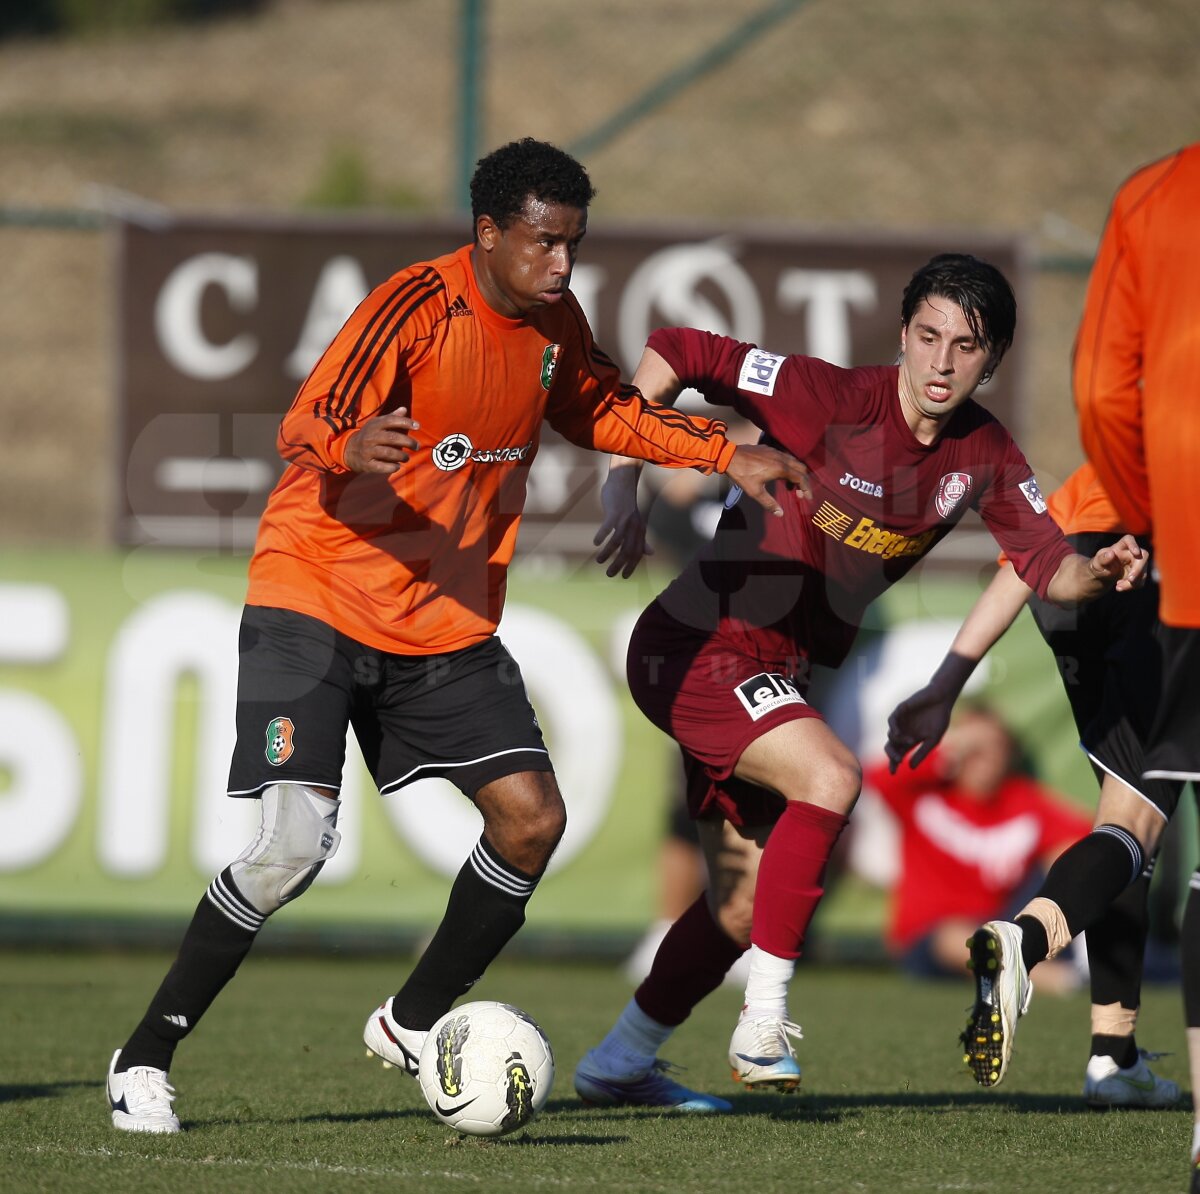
(760, 369)
(1033, 495)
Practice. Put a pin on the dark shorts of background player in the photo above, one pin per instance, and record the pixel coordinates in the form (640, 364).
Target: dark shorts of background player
(463, 715)
(688, 683)
(1111, 667)
(1173, 748)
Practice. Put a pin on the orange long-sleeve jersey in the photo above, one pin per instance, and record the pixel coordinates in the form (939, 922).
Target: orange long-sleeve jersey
(1081, 504)
(415, 562)
(1137, 369)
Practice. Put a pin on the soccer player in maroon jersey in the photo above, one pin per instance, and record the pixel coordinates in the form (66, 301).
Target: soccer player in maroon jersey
(720, 661)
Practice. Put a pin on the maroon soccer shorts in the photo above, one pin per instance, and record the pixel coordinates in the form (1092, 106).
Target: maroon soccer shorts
(714, 699)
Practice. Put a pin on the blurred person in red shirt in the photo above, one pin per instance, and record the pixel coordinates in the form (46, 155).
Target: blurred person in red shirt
(975, 832)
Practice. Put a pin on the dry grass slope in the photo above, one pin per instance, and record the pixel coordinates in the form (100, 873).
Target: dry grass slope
(1020, 116)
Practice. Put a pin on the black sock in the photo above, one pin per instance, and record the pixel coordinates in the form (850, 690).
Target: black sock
(222, 930)
(1122, 1049)
(1116, 946)
(485, 909)
(1083, 881)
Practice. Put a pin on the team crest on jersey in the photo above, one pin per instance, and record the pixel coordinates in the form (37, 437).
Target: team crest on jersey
(952, 489)
(280, 741)
(760, 370)
(550, 364)
(1033, 495)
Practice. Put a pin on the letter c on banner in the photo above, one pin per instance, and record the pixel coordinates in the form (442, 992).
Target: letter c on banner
(177, 315)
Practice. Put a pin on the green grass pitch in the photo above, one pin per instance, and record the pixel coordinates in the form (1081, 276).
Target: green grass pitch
(275, 1092)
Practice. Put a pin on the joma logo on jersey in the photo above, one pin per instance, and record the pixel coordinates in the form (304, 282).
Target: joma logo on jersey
(550, 364)
(766, 692)
(861, 486)
(280, 744)
(455, 450)
(879, 541)
(759, 371)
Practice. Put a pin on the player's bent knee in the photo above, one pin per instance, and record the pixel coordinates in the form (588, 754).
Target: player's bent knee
(833, 783)
(533, 816)
(296, 838)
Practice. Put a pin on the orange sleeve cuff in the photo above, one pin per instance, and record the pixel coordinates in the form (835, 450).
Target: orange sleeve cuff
(725, 456)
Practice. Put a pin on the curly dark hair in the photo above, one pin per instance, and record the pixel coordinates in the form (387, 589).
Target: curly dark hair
(509, 175)
(979, 289)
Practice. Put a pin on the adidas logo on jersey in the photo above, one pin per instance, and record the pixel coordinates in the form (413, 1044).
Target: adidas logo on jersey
(459, 307)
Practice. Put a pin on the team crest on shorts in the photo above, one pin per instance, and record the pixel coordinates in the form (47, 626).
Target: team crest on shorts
(550, 364)
(764, 693)
(280, 744)
(952, 488)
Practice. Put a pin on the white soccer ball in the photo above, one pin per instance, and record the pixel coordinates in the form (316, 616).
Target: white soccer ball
(486, 1068)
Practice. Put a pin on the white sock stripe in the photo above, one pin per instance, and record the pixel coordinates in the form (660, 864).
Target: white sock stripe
(234, 909)
(1129, 842)
(1194, 881)
(236, 900)
(498, 875)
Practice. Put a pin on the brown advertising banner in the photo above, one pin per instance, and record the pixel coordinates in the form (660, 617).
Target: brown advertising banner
(220, 319)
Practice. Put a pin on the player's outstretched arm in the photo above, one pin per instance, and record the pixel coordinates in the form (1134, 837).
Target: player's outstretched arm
(382, 444)
(918, 723)
(754, 466)
(1121, 566)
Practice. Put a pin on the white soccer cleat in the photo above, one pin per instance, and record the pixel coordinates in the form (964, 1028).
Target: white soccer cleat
(395, 1046)
(1002, 995)
(140, 1099)
(761, 1055)
(1108, 1085)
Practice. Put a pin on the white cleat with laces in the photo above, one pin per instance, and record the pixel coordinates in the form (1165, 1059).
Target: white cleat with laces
(140, 1099)
(761, 1055)
(396, 1047)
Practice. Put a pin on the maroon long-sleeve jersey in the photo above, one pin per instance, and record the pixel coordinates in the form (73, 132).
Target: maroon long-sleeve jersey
(786, 589)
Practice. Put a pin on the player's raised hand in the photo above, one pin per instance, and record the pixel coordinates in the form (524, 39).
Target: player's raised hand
(382, 444)
(1124, 561)
(917, 724)
(755, 466)
(622, 534)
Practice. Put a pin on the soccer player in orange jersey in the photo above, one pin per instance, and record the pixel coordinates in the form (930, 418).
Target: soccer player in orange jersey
(1111, 673)
(1136, 375)
(377, 583)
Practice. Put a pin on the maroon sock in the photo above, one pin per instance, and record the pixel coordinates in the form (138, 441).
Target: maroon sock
(691, 962)
(791, 876)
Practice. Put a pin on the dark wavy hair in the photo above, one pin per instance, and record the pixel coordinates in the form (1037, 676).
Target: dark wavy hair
(509, 175)
(979, 289)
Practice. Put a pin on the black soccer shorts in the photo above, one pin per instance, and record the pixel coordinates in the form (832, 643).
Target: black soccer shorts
(1173, 748)
(1111, 669)
(463, 715)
